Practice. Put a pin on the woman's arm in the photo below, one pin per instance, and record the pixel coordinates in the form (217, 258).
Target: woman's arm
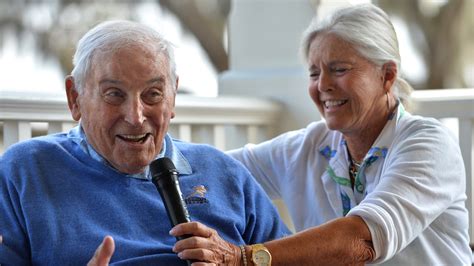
(344, 241)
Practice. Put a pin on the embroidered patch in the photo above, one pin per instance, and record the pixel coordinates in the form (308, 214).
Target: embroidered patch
(198, 196)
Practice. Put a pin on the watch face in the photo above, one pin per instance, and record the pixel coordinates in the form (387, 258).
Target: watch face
(262, 257)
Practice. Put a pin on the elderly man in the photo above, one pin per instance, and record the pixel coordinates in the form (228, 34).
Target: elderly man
(62, 194)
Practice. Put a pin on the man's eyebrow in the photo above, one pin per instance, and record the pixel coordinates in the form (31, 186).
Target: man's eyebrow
(113, 81)
(157, 80)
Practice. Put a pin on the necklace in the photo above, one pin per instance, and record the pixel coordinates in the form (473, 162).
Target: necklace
(353, 170)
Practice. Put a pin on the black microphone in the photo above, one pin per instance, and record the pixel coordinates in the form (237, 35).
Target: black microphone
(165, 177)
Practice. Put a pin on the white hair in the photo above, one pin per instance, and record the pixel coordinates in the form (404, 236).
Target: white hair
(369, 29)
(113, 35)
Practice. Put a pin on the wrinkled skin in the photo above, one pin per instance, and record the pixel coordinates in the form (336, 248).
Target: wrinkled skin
(125, 106)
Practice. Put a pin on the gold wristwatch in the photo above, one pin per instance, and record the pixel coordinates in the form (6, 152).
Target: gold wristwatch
(260, 255)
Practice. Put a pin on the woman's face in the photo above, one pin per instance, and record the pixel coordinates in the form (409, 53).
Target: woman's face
(347, 89)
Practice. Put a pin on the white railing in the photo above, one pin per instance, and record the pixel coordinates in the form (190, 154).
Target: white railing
(228, 122)
(225, 122)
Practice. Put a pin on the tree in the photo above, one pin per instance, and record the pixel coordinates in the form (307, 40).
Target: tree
(56, 26)
(443, 34)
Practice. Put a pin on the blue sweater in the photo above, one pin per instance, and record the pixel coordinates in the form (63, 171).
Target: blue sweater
(57, 204)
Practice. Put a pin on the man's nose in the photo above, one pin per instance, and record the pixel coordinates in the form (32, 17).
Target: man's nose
(134, 112)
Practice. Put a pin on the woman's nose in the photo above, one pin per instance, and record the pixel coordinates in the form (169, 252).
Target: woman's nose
(325, 82)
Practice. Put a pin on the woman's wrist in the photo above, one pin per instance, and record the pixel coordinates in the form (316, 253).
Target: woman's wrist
(243, 256)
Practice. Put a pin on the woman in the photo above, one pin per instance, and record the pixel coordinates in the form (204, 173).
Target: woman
(369, 184)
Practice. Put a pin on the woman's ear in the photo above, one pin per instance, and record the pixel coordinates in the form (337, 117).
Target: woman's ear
(72, 98)
(389, 72)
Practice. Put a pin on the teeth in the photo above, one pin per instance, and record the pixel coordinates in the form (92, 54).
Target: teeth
(133, 137)
(333, 103)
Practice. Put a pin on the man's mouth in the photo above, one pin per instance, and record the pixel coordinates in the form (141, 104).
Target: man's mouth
(134, 138)
(329, 104)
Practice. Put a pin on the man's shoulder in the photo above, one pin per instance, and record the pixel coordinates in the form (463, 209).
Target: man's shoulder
(204, 156)
(198, 150)
(35, 146)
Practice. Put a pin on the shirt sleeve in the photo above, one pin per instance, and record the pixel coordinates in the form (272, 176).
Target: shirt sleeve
(270, 161)
(424, 175)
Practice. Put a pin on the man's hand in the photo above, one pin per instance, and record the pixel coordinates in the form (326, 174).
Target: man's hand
(205, 245)
(103, 253)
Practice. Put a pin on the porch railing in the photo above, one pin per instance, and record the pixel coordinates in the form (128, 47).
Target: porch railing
(224, 122)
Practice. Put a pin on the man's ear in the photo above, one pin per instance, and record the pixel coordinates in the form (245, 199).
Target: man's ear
(174, 99)
(72, 98)
(389, 72)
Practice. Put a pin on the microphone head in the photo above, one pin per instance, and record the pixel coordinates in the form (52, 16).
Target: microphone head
(162, 165)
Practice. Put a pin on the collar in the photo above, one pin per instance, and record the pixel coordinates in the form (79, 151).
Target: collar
(169, 150)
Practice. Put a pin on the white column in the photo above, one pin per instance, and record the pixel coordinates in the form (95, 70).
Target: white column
(466, 137)
(264, 42)
(15, 131)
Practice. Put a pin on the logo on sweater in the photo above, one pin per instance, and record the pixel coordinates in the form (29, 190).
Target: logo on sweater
(197, 196)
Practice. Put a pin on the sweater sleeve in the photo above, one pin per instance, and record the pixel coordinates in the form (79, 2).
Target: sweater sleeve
(262, 218)
(422, 177)
(14, 247)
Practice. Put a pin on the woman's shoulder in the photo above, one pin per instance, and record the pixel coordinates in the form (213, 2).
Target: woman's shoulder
(419, 129)
(415, 124)
(314, 132)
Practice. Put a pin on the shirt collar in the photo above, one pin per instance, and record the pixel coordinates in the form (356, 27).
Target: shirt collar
(169, 150)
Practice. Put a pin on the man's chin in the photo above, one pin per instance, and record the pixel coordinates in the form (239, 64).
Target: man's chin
(132, 170)
(132, 167)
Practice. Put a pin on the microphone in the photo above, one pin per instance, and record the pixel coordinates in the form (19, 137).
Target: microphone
(165, 178)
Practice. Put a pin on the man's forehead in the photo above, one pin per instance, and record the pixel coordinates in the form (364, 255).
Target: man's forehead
(141, 62)
(110, 80)
(115, 50)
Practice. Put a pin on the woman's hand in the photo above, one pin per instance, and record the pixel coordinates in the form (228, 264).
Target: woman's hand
(205, 245)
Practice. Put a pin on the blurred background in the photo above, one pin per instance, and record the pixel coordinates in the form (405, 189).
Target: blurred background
(37, 38)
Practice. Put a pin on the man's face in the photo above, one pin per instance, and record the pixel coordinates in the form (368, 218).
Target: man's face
(126, 105)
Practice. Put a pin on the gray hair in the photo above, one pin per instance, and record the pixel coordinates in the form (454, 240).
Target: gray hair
(112, 35)
(369, 29)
